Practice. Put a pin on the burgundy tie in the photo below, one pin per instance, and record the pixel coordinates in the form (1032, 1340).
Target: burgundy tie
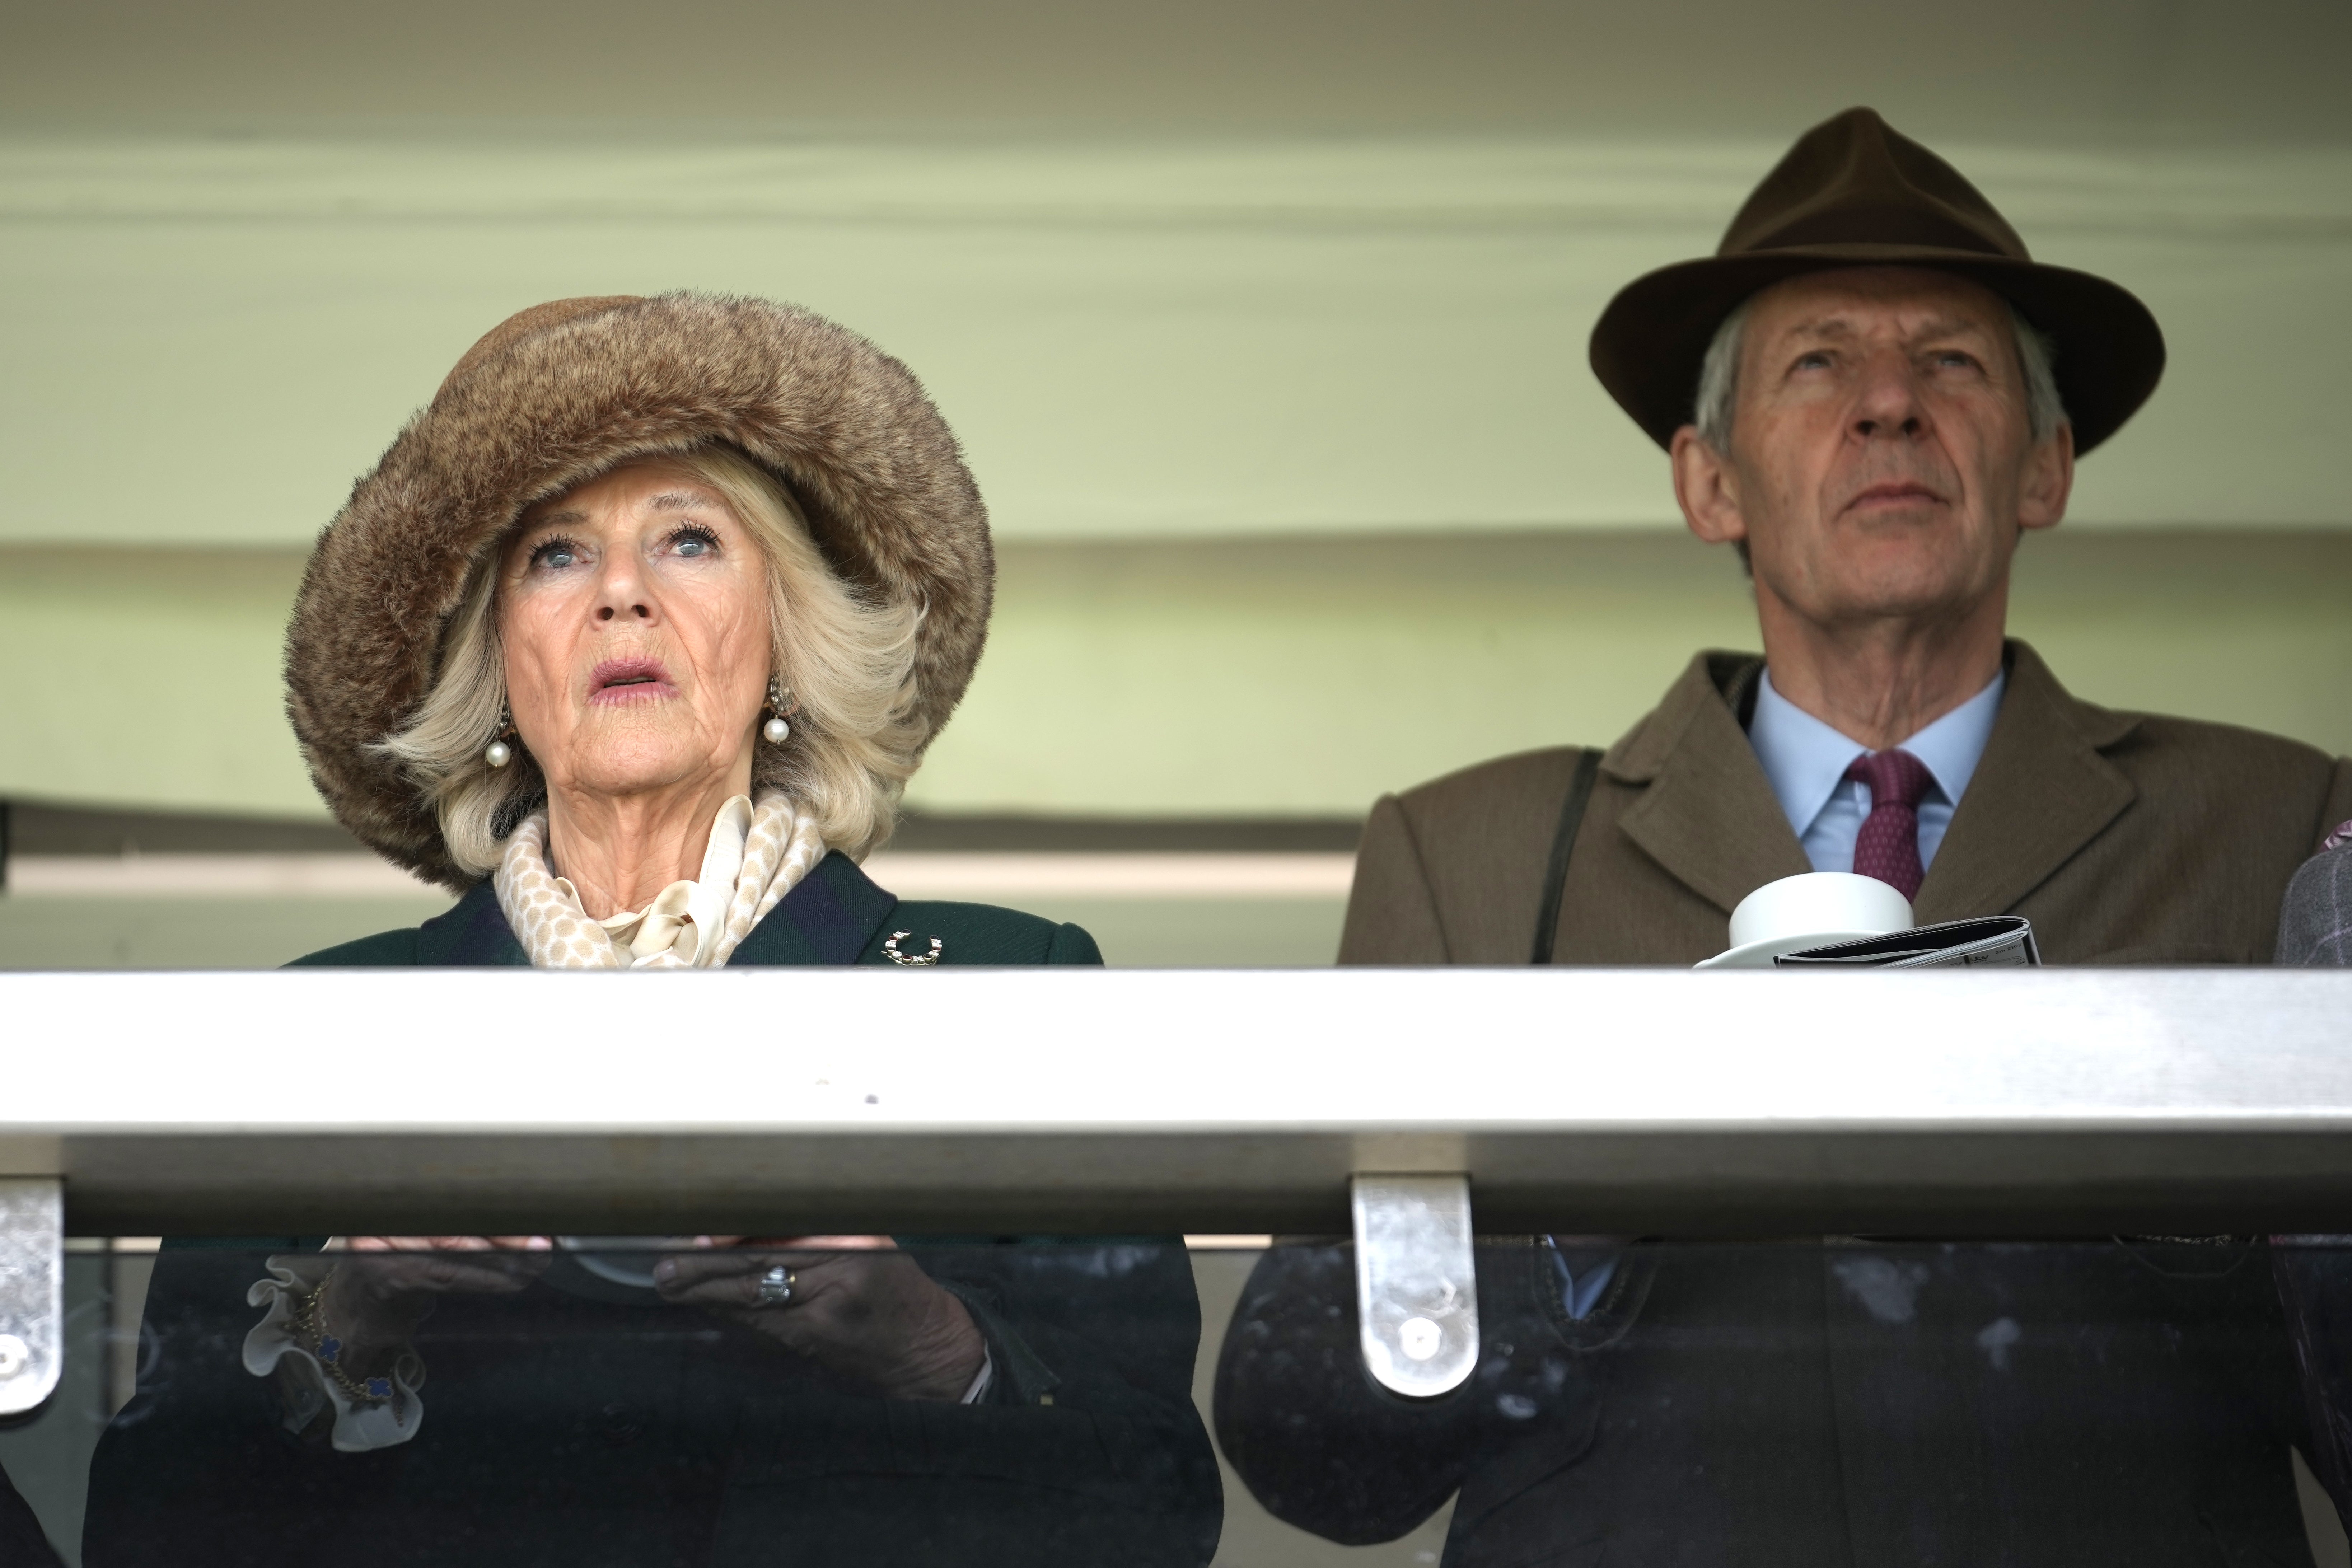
(1888, 846)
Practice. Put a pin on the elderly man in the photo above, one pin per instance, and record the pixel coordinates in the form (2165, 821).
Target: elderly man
(1889, 393)
(1873, 392)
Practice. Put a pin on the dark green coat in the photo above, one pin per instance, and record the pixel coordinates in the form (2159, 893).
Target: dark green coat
(567, 1431)
(833, 915)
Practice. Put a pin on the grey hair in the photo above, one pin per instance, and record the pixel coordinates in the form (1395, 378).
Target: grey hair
(848, 661)
(1719, 378)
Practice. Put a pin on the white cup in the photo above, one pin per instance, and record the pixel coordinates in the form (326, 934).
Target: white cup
(1817, 908)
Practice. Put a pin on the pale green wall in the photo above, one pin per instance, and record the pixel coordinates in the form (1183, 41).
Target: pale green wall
(150, 677)
(2036, 71)
(1305, 488)
(207, 339)
(1310, 676)
(1214, 677)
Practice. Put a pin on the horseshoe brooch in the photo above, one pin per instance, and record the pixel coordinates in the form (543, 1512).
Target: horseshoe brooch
(911, 960)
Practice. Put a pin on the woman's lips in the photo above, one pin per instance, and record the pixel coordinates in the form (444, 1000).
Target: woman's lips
(622, 680)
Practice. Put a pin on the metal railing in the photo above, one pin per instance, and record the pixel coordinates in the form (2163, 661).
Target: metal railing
(1028, 1102)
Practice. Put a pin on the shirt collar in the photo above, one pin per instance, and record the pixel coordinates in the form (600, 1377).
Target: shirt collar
(1805, 760)
(1955, 743)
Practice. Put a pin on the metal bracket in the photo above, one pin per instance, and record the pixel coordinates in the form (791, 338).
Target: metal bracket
(1416, 1281)
(32, 1290)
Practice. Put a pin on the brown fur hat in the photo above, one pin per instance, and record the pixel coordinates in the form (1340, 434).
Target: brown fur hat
(562, 393)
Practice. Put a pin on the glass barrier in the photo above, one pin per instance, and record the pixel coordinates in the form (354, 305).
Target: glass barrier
(946, 1401)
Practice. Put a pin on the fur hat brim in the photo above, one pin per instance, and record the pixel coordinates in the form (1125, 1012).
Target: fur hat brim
(565, 392)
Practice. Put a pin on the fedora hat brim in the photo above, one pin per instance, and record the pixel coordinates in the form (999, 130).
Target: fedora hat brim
(1649, 344)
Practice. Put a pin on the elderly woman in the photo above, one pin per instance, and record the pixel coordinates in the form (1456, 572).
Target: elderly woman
(636, 634)
(633, 639)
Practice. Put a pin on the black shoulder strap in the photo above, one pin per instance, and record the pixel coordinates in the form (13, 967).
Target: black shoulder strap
(1563, 844)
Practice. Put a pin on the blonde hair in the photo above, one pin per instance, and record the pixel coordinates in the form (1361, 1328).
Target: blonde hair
(848, 661)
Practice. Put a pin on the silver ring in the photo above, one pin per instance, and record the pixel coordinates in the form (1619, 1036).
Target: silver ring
(776, 1287)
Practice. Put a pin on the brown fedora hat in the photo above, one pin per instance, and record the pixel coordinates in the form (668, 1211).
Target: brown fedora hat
(1854, 193)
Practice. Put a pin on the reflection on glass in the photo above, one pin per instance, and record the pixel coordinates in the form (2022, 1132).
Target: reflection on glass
(2140, 1400)
(722, 1400)
(2135, 1399)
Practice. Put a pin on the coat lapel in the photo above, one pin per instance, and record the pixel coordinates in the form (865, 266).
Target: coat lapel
(1709, 816)
(472, 932)
(831, 916)
(2041, 792)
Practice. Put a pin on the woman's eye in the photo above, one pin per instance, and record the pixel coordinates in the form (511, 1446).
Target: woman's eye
(694, 541)
(555, 553)
(1815, 360)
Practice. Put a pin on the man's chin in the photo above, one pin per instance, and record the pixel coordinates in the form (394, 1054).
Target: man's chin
(1897, 591)
(1938, 600)
(1919, 574)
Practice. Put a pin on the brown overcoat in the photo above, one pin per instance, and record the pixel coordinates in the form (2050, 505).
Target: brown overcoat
(2124, 837)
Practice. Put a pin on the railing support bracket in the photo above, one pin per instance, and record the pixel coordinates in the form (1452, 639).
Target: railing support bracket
(32, 1290)
(1416, 1281)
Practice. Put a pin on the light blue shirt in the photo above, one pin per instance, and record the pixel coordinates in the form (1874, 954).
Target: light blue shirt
(1806, 761)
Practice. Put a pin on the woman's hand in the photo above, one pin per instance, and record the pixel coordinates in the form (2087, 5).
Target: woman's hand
(859, 1307)
(384, 1286)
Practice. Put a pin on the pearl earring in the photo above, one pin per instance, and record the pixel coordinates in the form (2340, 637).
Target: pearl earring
(775, 728)
(500, 754)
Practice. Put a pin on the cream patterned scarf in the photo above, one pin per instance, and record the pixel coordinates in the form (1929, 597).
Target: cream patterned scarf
(756, 855)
